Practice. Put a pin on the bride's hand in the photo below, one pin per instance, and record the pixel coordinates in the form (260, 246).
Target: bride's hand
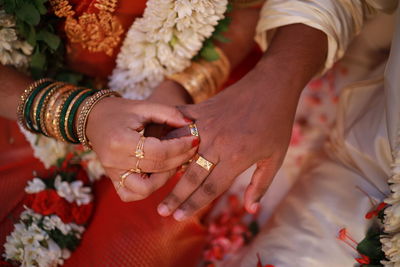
(113, 130)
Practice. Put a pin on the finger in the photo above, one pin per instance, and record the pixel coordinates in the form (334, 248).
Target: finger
(139, 186)
(179, 132)
(165, 149)
(214, 185)
(260, 182)
(163, 114)
(155, 166)
(189, 182)
(125, 194)
(158, 155)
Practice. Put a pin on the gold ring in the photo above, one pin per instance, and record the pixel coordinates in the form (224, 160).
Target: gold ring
(123, 178)
(136, 169)
(193, 130)
(205, 164)
(139, 153)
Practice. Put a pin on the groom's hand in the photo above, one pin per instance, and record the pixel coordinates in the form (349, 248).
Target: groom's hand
(248, 123)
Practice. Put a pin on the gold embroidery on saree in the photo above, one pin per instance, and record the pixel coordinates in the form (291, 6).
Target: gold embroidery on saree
(96, 32)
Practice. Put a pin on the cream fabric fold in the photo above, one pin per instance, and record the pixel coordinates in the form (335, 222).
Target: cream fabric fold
(340, 20)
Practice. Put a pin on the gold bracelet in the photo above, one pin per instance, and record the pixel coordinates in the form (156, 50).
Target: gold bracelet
(56, 86)
(84, 114)
(51, 108)
(25, 95)
(204, 78)
(59, 106)
(69, 111)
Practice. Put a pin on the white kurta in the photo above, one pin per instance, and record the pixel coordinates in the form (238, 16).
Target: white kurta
(336, 191)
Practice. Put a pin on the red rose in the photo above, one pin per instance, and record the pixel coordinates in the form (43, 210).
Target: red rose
(81, 175)
(63, 209)
(45, 202)
(81, 213)
(29, 198)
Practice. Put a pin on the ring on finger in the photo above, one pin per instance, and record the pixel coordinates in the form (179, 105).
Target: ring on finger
(137, 168)
(139, 153)
(123, 177)
(205, 164)
(193, 129)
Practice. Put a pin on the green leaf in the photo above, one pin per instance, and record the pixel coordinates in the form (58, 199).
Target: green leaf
(371, 245)
(27, 31)
(40, 6)
(223, 25)
(52, 40)
(209, 53)
(38, 63)
(221, 38)
(28, 13)
(69, 77)
(9, 6)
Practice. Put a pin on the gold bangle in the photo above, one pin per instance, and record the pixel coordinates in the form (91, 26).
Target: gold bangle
(69, 111)
(204, 78)
(57, 114)
(84, 114)
(24, 96)
(56, 86)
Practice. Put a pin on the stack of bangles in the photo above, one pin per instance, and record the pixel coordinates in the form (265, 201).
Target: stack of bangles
(202, 79)
(59, 110)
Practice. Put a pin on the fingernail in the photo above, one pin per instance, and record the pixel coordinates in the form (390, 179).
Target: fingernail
(163, 210)
(254, 208)
(195, 142)
(179, 215)
(188, 120)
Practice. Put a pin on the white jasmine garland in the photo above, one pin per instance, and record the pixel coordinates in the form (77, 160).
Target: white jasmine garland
(93, 166)
(30, 243)
(35, 186)
(73, 192)
(163, 42)
(13, 51)
(391, 240)
(47, 150)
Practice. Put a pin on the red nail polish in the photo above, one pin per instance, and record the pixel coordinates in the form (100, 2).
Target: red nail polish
(195, 142)
(188, 120)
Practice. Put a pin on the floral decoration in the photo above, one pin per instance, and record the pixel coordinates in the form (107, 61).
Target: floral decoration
(57, 209)
(163, 42)
(229, 231)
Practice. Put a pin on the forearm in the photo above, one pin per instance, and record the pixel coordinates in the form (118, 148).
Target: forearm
(12, 84)
(241, 35)
(296, 54)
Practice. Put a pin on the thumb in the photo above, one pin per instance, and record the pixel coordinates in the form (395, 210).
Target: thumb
(163, 114)
(260, 182)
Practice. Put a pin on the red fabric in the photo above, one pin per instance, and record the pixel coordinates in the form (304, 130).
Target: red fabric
(119, 234)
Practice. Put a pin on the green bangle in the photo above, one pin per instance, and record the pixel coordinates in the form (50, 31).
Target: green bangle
(71, 125)
(64, 112)
(51, 88)
(29, 103)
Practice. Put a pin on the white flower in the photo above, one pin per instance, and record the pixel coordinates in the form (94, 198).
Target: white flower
(47, 150)
(13, 51)
(54, 222)
(73, 192)
(391, 247)
(392, 218)
(163, 42)
(34, 186)
(94, 168)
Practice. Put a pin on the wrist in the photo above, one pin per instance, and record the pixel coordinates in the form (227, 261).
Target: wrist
(172, 93)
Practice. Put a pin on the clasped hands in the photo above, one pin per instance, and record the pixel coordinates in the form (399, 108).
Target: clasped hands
(234, 134)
